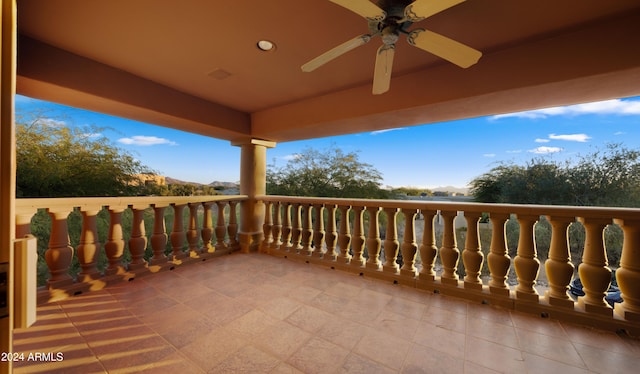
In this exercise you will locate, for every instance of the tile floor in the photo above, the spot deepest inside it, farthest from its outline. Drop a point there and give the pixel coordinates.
(257, 313)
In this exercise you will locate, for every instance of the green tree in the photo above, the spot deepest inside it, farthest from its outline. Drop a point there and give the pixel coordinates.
(54, 160)
(609, 177)
(540, 181)
(327, 173)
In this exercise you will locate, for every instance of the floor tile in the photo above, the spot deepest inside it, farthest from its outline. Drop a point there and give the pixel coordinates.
(494, 356)
(280, 307)
(541, 365)
(356, 364)
(441, 339)
(318, 356)
(247, 359)
(424, 360)
(446, 319)
(492, 331)
(605, 361)
(281, 339)
(309, 318)
(211, 349)
(384, 348)
(553, 348)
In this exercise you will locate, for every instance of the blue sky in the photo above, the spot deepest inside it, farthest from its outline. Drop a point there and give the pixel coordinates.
(443, 154)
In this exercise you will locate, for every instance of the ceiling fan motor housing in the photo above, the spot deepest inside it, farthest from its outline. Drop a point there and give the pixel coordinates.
(391, 25)
(394, 8)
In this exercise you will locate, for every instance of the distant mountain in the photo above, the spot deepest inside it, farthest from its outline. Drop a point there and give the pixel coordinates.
(170, 180)
(451, 189)
(224, 184)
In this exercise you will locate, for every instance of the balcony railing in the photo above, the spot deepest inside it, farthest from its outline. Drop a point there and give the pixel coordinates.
(194, 236)
(375, 238)
(319, 230)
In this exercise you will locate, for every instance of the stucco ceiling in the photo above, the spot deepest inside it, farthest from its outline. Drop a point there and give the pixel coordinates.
(194, 64)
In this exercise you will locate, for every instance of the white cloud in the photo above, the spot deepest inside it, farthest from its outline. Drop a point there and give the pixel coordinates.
(489, 155)
(143, 140)
(619, 133)
(545, 150)
(539, 140)
(571, 137)
(515, 151)
(615, 107)
(294, 156)
(51, 122)
(378, 132)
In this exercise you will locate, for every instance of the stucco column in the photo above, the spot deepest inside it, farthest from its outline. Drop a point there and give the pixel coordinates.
(7, 167)
(253, 179)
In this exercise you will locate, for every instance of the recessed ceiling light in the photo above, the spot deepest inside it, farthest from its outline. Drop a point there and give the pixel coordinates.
(266, 45)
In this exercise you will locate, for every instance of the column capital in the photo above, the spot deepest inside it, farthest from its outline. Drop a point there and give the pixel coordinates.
(264, 143)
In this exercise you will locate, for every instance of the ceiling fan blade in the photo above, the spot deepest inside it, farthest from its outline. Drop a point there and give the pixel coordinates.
(421, 9)
(382, 71)
(365, 8)
(444, 47)
(336, 52)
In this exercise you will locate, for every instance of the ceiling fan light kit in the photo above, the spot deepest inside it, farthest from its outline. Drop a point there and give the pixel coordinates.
(389, 19)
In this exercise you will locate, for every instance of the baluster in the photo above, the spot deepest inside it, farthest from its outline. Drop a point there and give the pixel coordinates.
(159, 237)
(232, 228)
(192, 232)
(276, 229)
(23, 221)
(221, 228)
(357, 242)
(373, 239)
(318, 229)
(286, 227)
(628, 274)
(344, 235)
(526, 261)
(297, 228)
(207, 228)
(60, 252)
(449, 253)
(307, 231)
(266, 228)
(428, 248)
(114, 247)
(177, 233)
(332, 235)
(498, 259)
(391, 243)
(594, 273)
(409, 246)
(559, 267)
(472, 256)
(89, 247)
(138, 239)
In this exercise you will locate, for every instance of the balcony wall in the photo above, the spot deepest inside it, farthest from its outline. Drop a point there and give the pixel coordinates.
(352, 234)
(208, 227)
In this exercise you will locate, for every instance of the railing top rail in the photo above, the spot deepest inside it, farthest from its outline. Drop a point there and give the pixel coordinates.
(27, 204)
(520, 209)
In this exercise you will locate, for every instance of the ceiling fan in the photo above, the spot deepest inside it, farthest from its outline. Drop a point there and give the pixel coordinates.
(389, 19)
